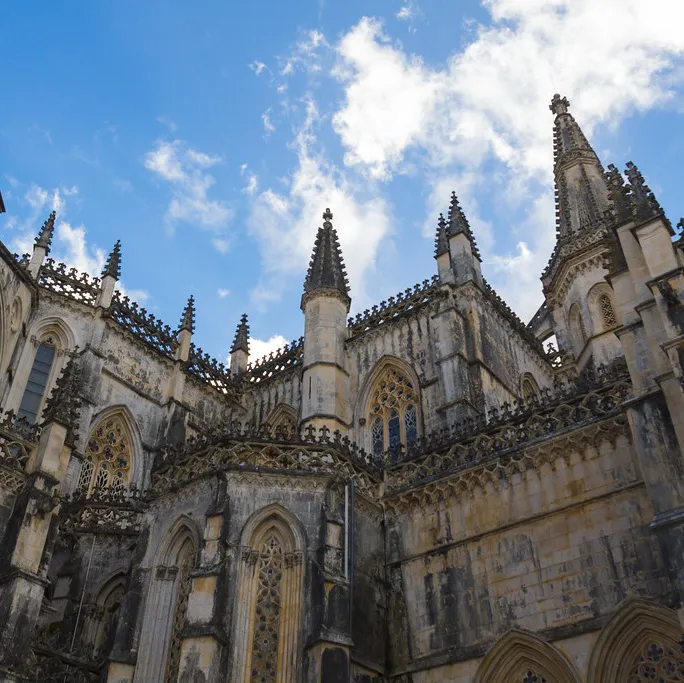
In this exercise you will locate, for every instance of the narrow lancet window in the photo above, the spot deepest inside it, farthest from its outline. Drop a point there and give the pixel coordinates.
(37, 381)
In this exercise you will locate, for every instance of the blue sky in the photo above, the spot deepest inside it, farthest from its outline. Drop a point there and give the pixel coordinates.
(210, 136)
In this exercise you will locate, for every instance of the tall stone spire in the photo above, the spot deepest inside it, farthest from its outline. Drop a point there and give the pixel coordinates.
(458, 223)
(326, 269)
(581, 191)
(112, 267)
(441, 240)
(187, 321)
(241, 341)
(46, 233)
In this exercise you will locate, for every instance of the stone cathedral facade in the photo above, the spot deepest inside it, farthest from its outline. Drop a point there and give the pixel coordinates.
(424, 492)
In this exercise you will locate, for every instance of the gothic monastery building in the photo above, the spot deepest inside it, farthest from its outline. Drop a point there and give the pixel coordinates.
(423, 493)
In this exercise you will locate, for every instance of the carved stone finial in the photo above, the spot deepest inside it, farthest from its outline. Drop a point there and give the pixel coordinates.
(618, 195)
(326, 268)
(46, 233)
(441, 241)
(645, 204)
(113, 265)
(458, 223)
(559, 105)
(241, 341)
(187, 321)
(680, 225)
(64, 403)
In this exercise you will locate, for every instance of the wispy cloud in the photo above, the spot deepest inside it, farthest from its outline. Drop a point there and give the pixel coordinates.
(186, 171)
(223, 293)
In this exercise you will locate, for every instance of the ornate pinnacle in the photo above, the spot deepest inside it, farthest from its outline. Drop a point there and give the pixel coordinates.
(441, 241)
(46, 233)
(618, 195)
(645, 204)
(241, 341)
(458, 223)
(680, 225)
(113, 265)
(64, 404)
(326, 268)
(559, 105)
(187, 321)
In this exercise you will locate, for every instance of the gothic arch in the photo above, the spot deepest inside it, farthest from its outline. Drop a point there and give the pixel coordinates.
(120, 419)
(528, 386)
(166, 603)
(520, 656)
(52, 333)
(103, 613)
(364, 426)
(269, 600)
(601, 304)
(283, 416)
(634, 629)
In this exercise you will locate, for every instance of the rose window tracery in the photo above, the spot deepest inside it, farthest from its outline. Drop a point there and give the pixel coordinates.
(393, 412)
(658, 663)
(267, 611)
(107, 460)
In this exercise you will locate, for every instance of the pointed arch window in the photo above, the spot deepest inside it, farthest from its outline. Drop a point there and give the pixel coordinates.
(185, 562)
(34, 393)
(393, 412)
(607, 313)
(108, 455)
(103, 617)
(270, 603)
(529, 388)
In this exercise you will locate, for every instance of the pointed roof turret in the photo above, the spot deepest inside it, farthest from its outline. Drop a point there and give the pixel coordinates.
(187, 321)
(112, 267)
(644, 202)
(46, 233)
(326, 268)
(458, 223)
(241, 341)
(441, 241)
(621, 206)
(569, 142)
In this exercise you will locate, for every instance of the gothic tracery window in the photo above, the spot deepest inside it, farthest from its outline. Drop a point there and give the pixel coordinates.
(660, 663)
(267, 612)
(393, 412)
(607, 312)
(185, 563)
(107, 461)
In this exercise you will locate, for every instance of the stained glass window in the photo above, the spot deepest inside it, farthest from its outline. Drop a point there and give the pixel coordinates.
(37, 381)
(267, 612)
(607, 313)
(107, 458)
(186, 560)
(394, 416)
(660, 663)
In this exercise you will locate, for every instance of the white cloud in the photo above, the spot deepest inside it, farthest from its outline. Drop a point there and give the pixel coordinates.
(268, 126)
(306, 56)
(169, 123)
(223, 293)
(290, 219)
(257, 67)
(258, 348)
(489, 102)
(185, 169)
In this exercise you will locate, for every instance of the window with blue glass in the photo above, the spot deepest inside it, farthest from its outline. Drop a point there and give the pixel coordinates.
(393, 413)
(37, 382)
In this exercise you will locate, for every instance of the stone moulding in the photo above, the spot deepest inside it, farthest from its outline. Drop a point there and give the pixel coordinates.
(320, 454)
(105, 511)
(18, 438)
